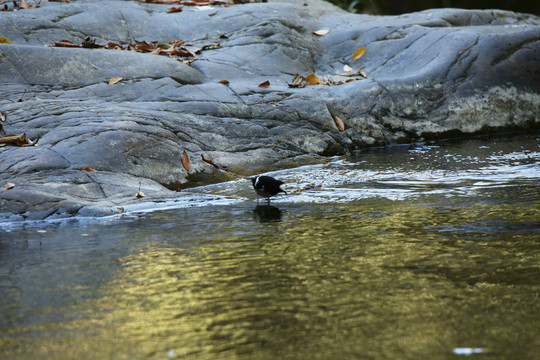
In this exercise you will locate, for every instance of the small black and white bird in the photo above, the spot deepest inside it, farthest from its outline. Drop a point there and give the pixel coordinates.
(266, 186)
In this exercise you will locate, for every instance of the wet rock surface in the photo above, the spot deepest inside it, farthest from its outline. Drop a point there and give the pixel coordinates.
(433, 74)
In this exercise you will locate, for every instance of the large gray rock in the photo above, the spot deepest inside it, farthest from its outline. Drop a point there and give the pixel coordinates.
(433, 74)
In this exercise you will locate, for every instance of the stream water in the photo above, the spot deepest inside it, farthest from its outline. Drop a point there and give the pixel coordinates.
(430, 251)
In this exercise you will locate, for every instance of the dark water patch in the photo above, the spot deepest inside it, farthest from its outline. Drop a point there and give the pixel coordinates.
(369, 258)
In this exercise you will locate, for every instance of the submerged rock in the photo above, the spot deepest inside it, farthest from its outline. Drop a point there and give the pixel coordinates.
(432, 74)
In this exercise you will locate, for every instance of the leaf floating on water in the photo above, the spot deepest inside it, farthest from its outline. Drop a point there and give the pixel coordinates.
(10, 185)
(321, 32)
(339, 123)
(224, 82)
(115, 79)
(265, 84)
(185, 161)
(312, 79)
(88, 169)
(359, 53)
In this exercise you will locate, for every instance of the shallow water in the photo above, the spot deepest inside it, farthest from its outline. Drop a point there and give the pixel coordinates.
(421, 252)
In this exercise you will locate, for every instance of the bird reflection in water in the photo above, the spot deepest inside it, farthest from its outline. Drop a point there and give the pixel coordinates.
(267, 213)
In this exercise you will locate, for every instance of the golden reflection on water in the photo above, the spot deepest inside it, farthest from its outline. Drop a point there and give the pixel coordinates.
(375, 279)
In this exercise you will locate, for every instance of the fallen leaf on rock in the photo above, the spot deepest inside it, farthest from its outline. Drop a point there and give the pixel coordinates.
(88, 169)
(213, 46)
(10, 185)
(175, 9)
(161, 1)
(90, 43)
(114, 46)
(11, 139)
(352, 72)
(321, 32)
(139, 194)
(339, 123)
(115, 79)
(265, 84)
(209, 161)
(185, 161)
(312, 79)
(65, 43)
(17, 140)
(24, 4)
(359, 53)
(362, 74)
(4, 40)
(224, 82)
(298, 81)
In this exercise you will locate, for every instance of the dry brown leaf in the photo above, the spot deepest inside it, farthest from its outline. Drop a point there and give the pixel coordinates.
(175, 9)
(354, 72)
(90, 43)
(65, 43)
(10, 185)
(161, 1)
(17, 140)
(210, 47)
(339, 123)
(224, 82)
(321, 32)
(312, 79)
(139, 193)
(113, 45)
(24, 4)
(115, 79)
(359, 53)
(88, 169)
(185, 161)
(265, 84)
(209, 161)
(297, 82)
